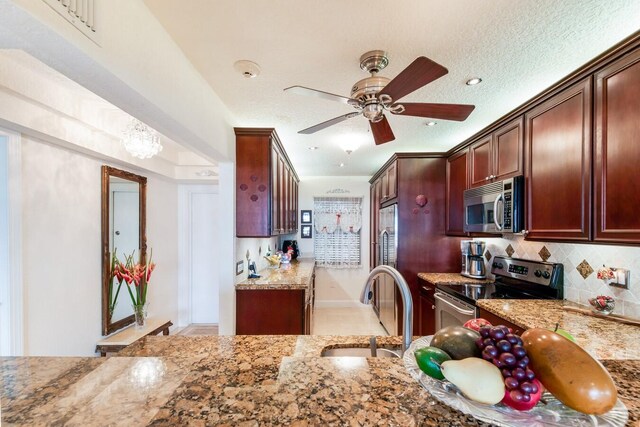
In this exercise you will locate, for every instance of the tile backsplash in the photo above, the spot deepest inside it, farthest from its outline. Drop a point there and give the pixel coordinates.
(580, 264)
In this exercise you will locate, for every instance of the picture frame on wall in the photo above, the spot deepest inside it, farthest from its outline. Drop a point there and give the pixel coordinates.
(305, 232)
(305, 217)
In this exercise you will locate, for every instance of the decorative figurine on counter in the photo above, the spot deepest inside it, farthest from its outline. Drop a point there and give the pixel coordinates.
(253, 273)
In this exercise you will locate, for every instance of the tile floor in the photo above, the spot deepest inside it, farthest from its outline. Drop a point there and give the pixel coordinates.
(346, 321)
(326, 321)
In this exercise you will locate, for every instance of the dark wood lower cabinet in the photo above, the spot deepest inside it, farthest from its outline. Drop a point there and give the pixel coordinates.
(273, 312)
(497, 320)
(426, 309)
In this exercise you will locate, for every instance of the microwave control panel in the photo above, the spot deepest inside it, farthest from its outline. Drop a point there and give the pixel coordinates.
(507, 211)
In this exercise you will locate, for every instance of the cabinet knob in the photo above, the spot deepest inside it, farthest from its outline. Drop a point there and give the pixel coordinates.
(486, 178)
(433, 307)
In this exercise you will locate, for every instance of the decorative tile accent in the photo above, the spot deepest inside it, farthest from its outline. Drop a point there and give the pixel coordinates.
(544, 253)
(584, 269)
(509, 250)
(488, 255)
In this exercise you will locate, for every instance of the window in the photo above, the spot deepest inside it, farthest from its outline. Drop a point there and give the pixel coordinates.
(338, 221)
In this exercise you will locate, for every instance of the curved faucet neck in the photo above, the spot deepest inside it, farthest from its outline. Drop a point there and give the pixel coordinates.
(405, 293)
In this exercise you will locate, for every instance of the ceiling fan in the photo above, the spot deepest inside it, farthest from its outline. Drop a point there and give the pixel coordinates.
(374, 95)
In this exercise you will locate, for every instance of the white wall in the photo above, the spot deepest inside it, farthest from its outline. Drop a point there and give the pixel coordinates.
(337, 287)
(62, 249)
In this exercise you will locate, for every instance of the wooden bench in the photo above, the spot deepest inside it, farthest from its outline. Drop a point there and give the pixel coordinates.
(116, 342)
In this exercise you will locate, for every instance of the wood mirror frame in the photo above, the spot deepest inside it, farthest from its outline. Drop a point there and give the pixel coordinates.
(107, 172)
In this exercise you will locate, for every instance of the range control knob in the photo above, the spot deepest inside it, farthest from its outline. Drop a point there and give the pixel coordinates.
(537, 273)
(497, 265)
(546, 274)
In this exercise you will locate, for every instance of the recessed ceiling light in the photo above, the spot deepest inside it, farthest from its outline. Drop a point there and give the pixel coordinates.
(313, 148)
(431, 123)
(473, 81)
(341, 165)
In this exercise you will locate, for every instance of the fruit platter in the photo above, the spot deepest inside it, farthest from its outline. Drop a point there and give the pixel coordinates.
(541, 378)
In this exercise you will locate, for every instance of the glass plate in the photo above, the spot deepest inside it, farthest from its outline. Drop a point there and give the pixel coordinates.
(550, 413)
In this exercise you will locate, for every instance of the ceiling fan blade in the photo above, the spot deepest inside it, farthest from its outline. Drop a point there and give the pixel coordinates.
(417, 74)
(301, 90)
(457, 112)
(323, 125)
(381, 131)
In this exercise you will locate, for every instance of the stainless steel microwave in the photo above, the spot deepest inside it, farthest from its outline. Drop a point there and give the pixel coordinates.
(495, 208)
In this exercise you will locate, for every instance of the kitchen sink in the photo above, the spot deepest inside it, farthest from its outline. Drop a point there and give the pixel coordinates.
(371, 351)
(358, 352)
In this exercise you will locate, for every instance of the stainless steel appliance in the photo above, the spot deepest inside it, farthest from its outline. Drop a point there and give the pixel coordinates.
(388, 239)
(514, 279)
(473, 259)
(495, 208)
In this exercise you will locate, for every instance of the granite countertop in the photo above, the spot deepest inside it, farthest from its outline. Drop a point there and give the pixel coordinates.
(451, 279)
(295, 275)
(604, 338)
(236, 380)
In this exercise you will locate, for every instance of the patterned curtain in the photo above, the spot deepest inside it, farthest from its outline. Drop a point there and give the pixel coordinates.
(338, 221)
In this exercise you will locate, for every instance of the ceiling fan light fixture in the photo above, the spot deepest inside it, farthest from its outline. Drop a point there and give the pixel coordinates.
(474, 81)
(373, 112)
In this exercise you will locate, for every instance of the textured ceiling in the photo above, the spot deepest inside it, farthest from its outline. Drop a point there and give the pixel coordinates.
(518, 48)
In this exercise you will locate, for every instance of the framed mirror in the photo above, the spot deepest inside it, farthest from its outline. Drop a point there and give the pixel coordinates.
(124, 219)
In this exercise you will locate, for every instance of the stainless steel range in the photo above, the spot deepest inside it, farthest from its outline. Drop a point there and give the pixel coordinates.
(514, 279)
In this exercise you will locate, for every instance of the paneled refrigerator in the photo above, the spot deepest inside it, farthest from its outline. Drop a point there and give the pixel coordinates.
(388, 240)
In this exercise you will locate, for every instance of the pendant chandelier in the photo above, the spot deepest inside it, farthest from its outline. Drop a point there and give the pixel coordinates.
(140, 140)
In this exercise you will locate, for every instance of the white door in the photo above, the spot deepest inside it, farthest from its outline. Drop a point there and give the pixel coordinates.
(204, 258)
(5, 309)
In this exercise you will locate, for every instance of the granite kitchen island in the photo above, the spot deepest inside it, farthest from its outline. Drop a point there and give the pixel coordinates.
(235, 380)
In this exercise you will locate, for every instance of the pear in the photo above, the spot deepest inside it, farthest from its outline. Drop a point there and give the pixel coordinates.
(478, 379)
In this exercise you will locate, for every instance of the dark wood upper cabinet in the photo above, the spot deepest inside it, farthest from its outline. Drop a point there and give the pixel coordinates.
(265, 182)
(498, 155)
(481, 161)
(392, 181)
(507, 150)
(617, 152)
(558, 166)
(457, 182)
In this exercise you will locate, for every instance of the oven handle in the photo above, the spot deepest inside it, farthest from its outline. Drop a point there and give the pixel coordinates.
(495, 212)
(456, 308)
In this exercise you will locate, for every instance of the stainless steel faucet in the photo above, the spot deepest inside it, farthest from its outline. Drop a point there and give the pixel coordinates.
(407, 302)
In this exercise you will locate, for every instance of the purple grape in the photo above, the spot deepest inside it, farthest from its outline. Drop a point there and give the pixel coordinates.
(519, 374)
(518, 351)
(497, 333)
(486, 356)
(511, 383)
(484, 331)
(526, 397)
(506, 373)
(480, 343)
(498, 363)
(505, 329)
(534, 388)
(508, 359)
(503, 346)
(530, 375)
(487, 342)
(516, 395)
(491, 350)
(526, 388)
(523, 363)
(513, 340)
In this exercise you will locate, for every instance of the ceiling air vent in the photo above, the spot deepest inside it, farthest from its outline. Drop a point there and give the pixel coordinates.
(80, 13)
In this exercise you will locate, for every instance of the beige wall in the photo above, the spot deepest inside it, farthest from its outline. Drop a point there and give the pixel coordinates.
(337, 287)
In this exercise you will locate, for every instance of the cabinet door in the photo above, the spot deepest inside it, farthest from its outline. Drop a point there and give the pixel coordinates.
(457, 182)
(617, 152)
(481, 162)
(507, 150)
(558, 166)
(281, 195)
(392, 180)
(384, 187)
(275, 191)
(427, 316)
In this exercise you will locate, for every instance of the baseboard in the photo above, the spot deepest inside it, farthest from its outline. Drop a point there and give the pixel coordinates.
(339, 304)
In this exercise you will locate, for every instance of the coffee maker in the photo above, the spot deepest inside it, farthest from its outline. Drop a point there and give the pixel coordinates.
(472, 259)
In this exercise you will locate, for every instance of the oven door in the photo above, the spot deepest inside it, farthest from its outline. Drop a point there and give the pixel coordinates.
(451, 311)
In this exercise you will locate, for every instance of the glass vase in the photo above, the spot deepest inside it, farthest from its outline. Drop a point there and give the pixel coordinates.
(140, 313)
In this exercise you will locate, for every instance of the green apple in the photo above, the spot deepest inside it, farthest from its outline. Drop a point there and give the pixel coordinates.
(429, 360)
(564, 333)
